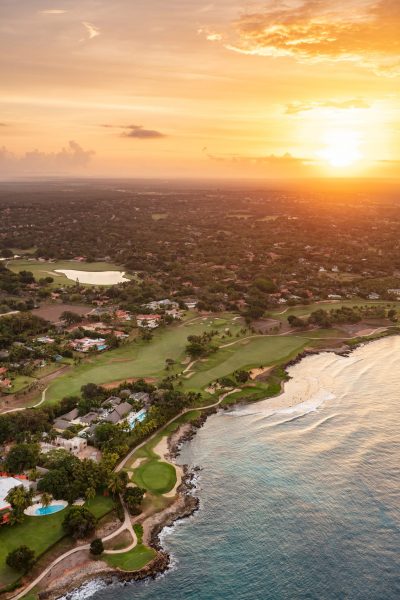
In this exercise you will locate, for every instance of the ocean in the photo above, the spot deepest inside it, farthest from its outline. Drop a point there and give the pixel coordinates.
(297, 501)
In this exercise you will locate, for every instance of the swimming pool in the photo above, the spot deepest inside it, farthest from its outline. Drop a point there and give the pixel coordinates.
(48, 510)
(136, 418)
(38, 510)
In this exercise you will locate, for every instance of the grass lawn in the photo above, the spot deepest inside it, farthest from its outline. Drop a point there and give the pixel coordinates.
(131, 561)
(245, 354)
(40, 533)
(46, 269)
(20, 382)
(135, 359)
(156, 476)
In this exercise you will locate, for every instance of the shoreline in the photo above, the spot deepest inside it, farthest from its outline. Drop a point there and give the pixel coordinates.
(184, 505)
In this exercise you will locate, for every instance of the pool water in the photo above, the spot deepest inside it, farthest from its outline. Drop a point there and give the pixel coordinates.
(49, 510)
(137, 418)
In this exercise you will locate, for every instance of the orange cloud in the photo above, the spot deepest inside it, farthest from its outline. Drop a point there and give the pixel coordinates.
(365, 32)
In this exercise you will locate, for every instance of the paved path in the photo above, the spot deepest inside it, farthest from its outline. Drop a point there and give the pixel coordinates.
(25, 407)
(126, 525)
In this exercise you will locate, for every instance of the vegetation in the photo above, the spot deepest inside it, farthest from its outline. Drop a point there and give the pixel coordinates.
(79, 522)
(133, 560)
(133, 498)
(97, 547)
(21, 559)
(19, 499)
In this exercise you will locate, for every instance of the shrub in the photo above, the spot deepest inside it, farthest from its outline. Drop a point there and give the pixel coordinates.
(21, 559)
(97, 547)
(79, 522)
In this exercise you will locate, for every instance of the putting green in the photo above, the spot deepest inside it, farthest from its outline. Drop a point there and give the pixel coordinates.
(155, 476)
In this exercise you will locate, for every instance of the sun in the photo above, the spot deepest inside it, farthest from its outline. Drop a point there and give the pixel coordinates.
(342, 148)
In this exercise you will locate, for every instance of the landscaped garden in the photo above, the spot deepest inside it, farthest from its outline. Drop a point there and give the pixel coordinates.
(40, 534)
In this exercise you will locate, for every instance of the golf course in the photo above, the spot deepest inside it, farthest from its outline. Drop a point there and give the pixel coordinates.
(238, 348)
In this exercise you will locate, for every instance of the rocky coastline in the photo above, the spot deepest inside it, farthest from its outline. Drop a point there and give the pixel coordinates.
(185, 505)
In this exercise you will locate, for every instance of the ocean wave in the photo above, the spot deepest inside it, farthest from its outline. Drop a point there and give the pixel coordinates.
(86, 590)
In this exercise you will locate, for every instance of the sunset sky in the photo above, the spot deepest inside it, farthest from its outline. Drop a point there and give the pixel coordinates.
(179, 88)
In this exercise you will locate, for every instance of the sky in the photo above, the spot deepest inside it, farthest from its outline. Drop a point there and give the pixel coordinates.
(192, 88)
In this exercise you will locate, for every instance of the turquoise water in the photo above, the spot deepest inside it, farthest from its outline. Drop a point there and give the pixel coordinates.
(136, 418)
(299, 502)
(49, 510)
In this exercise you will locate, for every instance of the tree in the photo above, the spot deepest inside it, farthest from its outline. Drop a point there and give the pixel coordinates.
(97, 547)
(19, 499)
(117, 483)
(90, 493)
(70, 317)
(133, 497)
(79, 522)
(242, 376)
(46, 499)
(295, 321)
(22, 457)
(21, 559)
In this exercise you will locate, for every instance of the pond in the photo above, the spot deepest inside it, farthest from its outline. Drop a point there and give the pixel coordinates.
(94, 277)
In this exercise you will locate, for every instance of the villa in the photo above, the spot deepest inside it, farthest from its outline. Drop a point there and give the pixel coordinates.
(148, 321)
(86, 344)
(191, 303)
(6, 484)
(159, 304)
(75, 445)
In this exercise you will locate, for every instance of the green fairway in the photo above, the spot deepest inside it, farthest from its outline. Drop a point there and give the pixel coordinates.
(135, 359)
(40, 533)
(245, 354)
(131, 561)
(47, 269)
(155, 476)
(305, 310)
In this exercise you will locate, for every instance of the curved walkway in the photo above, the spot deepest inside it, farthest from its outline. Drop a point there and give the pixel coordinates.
(43, 399)
(126, 525)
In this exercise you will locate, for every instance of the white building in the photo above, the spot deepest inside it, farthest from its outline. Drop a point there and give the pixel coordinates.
(75, 445)
(148, 321)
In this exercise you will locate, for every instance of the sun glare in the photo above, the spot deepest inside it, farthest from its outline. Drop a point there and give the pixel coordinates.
(342, 148)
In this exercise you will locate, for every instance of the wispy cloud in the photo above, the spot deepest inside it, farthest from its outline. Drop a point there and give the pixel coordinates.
(53, 11)
(362, 32)
(294, 108)
(91, 29)
(137, 131)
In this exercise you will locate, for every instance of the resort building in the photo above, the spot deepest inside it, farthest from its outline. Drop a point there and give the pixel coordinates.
(86, 344)
(6, 484)
(75, 445)
(190, 303)
(148, 321)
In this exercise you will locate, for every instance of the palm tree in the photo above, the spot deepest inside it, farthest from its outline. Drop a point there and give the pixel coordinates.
(90, 493)
(116, 484)
(47, 499)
